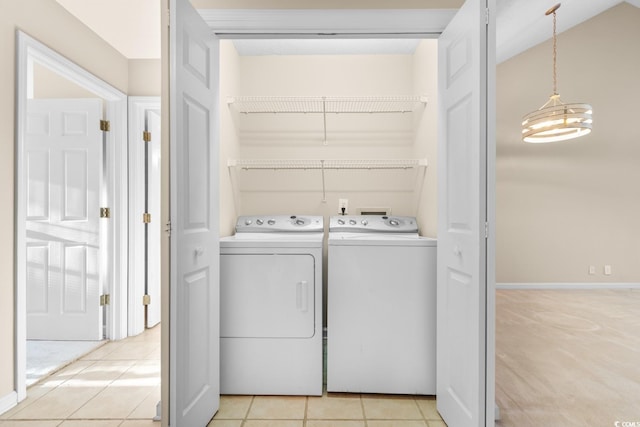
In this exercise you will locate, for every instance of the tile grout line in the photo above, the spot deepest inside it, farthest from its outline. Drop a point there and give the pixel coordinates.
(306, 408)
(424, 417)
(364, 414)
(246, 415)
(95, 395)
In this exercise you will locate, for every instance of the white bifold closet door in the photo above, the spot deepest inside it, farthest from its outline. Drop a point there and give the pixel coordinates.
(194, 393)
(465, 109)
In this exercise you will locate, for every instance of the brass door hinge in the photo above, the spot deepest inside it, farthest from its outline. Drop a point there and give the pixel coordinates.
(146, 299)
(105, 213)
(105, 299)
(146, 218)
(105, 126)
(146, 136)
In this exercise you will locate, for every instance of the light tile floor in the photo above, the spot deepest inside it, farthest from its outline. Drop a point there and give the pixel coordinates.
(45, 357)
(118, 385)
(333, 410)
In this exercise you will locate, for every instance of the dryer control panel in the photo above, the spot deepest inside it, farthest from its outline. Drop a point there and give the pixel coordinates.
(373, 224)
(280, 224)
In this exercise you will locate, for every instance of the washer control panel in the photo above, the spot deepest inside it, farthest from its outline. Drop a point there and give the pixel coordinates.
(373, 224)
(280, 224)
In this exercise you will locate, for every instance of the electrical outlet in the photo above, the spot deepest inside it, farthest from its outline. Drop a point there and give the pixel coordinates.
(592, 269)
(343, 206)
(607, 270)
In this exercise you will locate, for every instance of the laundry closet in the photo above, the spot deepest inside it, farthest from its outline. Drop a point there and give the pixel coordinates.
(305, 137)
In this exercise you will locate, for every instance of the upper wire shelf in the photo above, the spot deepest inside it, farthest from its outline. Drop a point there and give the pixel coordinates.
(301, 104)
(304, 164)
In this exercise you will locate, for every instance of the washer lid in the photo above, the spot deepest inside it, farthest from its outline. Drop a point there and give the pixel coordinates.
(379, 239)
(373, 224)
(280, 224)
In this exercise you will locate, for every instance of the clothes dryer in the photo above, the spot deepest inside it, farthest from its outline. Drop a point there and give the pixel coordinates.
(271, 306)
(381, 312)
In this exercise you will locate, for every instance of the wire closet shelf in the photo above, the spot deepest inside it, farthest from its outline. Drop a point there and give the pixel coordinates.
(338, 164)
(326, 105)
(323, 165)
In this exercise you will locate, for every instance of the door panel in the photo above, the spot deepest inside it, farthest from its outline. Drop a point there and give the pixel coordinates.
(462, 214)
(194, 393)
(75, 187)
(63, 154)
(38, 185)
(38, 277)
(267, 296)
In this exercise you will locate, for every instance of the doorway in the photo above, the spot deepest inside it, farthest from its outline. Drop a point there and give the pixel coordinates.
(100, 250)
(196, 67)
(63, 152)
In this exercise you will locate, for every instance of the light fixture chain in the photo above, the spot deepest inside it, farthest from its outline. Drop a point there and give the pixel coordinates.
(555, 54)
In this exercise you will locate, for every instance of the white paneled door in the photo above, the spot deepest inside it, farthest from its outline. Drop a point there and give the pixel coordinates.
(63, 157)
(194, 334)
(464, 67)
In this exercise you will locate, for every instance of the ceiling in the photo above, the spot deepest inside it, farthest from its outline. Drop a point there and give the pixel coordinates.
(522, 24)
(132, 27)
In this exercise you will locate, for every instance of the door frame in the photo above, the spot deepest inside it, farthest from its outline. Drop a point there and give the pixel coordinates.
(138, 105)
(28, 51)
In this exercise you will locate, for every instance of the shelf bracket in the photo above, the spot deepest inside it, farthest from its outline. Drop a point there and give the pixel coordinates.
(324, 192)
(324, 116)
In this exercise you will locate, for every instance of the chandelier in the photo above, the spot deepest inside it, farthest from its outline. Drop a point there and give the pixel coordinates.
(555, 120)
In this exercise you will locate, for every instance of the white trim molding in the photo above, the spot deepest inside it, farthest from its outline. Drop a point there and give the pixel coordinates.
(138, 106)
(8, 401)
(327, 22)
(568, 285)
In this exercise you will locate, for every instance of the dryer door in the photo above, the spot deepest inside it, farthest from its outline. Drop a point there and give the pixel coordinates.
(267, 295)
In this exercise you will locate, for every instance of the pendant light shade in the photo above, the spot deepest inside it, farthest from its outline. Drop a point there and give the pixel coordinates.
(555, 120)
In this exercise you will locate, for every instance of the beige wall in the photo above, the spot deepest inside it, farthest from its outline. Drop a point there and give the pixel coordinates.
(144, 77)
(565, 206)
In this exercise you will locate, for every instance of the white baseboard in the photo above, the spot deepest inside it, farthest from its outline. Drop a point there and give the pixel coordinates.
(565, 286)
(9, 401)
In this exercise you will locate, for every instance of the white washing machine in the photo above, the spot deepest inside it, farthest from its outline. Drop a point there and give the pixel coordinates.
(381, 312)
(271, 306)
